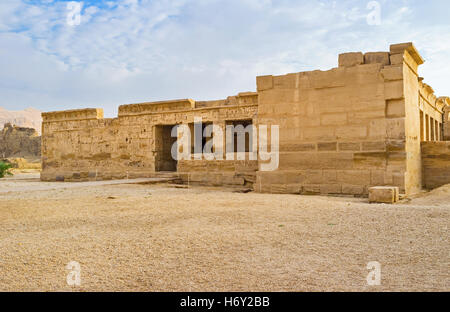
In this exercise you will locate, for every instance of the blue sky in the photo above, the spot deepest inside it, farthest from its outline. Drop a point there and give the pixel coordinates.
(130, 51)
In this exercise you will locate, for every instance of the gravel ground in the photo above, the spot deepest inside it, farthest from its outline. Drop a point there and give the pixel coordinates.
(162, 238)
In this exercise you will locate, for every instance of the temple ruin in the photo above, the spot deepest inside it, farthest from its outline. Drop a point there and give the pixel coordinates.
(372, 121)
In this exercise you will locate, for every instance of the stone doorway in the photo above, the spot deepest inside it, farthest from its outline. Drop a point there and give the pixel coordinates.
(163, 143)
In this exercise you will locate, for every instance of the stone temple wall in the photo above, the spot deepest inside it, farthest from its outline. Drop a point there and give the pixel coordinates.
(81, 145)
(341, 131)
(436, 164)
(446, 118)
(346, 129)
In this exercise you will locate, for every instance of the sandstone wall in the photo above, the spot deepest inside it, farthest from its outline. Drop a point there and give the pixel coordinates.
(341, 131)
(411, 157)
(344, 130)
(447, 123)
(436, 164)
(81, 145)
(19, 142)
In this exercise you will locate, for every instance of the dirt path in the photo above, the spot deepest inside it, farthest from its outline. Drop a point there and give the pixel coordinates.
(31, 183)
(157, 238)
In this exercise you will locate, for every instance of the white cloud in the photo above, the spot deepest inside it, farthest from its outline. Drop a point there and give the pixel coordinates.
(129, 51)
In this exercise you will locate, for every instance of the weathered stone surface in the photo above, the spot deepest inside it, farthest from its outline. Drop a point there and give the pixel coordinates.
(377, 58)
(435, 164)
(264, 82)
(351, 59)
(341, 131)
(400, 48)
(446, 120)
(19, 142)
(383, 194)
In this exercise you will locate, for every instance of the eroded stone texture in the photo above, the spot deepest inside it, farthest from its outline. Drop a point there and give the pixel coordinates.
(436, 164)
(446, 118)
(383, 194)
(342, 131)
(19, 142)
(80, 145)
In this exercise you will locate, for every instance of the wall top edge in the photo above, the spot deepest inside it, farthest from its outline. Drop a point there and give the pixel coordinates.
(73, 114)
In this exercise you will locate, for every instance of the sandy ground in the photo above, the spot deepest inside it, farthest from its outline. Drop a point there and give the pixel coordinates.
(161, 238)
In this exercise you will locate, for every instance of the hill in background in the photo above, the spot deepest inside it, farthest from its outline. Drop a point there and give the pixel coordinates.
(29, 118)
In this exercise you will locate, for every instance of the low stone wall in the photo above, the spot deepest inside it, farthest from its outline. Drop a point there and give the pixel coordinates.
(435, 164)
(218, 172)
(81, 145)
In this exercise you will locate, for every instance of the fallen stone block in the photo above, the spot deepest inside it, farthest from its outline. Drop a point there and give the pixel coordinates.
(383, 194)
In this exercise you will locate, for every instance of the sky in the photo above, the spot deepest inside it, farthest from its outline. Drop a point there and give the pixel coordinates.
(131, 51)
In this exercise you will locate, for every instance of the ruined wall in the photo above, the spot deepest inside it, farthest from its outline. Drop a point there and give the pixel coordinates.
(446, 120)
(407, 56)
(436, 164)
(81, 145)
(343, 130)
(19, 142)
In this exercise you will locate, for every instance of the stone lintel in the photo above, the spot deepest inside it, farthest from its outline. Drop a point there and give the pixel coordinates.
(152, 107)
(400, 48)
(74, 114)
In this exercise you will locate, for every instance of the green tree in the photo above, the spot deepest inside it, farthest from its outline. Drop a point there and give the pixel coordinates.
(4, 169)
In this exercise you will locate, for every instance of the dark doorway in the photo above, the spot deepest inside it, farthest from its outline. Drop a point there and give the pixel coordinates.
(243, 124)
(163, 143)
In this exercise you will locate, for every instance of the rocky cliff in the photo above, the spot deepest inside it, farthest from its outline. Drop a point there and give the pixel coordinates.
(30, 118)
(19, 142)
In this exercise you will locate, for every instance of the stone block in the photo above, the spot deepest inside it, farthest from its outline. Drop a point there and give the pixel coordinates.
(330, 189)
(346, 132)
(395, 128)
(264, 82)
(351, 59)
(355, 177)
(288, 81)
(310, 189)
(377, 177)
(319, 133)
(394, 90)
(377, 128)
(328, 79)
(348, 146)
(384, 194)
(400, 48)
(333, 119)
(362, 116)
(395, 108)
(351, 189)
(369, 160)
(330, 176)
(374, 146)
(396, 59)
(377, 58)
(391, 73)
(59, 178)
(307, 147)
(331, 146)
